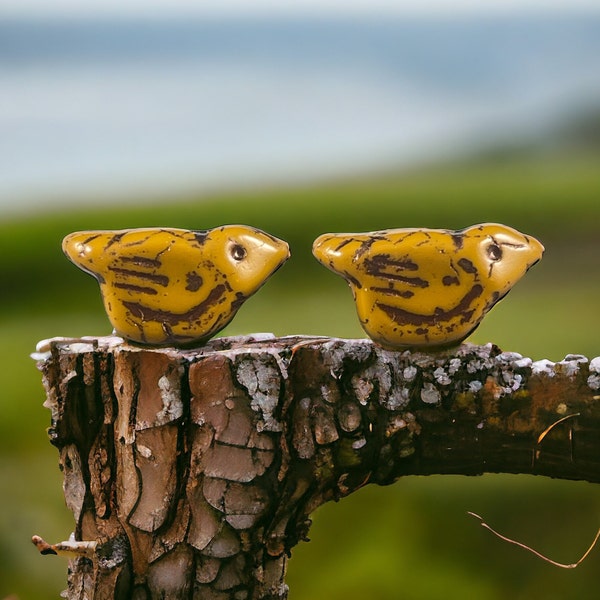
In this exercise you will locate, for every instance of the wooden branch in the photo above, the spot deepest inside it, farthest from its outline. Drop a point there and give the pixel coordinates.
(194, 472)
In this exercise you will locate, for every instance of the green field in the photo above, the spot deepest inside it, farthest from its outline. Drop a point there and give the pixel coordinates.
(410, 540)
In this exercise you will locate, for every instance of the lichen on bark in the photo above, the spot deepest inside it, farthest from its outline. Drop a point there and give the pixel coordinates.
(196, 471)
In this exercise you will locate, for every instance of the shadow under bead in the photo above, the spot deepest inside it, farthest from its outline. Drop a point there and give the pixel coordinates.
(417, 288)
(176, 287)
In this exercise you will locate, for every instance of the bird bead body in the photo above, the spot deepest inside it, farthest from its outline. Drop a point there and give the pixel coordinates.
(427, 287)
(173, 286)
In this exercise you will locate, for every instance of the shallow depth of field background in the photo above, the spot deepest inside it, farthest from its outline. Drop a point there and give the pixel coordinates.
(300, 126)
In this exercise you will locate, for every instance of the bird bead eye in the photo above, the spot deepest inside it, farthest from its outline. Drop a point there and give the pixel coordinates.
(494, 252)
(238, 252)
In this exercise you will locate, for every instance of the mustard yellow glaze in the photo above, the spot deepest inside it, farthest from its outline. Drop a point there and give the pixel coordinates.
(174, 286)
(427, 287)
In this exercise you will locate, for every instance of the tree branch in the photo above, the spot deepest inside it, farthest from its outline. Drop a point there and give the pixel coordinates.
(196, 471)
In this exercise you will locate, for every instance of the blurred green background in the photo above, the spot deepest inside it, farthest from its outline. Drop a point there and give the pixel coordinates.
(414, 536)
(413, 539)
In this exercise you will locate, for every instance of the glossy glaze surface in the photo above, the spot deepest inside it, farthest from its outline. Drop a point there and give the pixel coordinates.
(173, 286)
(427, 287)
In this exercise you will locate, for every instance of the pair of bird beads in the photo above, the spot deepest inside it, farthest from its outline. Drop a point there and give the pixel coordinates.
(413, 288)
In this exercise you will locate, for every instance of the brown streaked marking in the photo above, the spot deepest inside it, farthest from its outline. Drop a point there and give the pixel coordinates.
(142, 261)
(136, 288)
(350, 278)
(200, 237)
(115, 239)
(450, 280)
(376, 266)
(413, 281)
(467, 266)
(393, 292)
(467, 316)
(139, 242)
(344, 243)
(458, 240)
(158, 279)
(379, 262)
(426, 240)
(164, 316)
(90, 239)
(402, 238)
(168, 330)
(239, 300)
(193, 281)
(405, 317)
(366, 246)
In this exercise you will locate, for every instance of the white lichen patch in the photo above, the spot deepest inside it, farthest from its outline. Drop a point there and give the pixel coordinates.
(383, 377)
(170, 393)
(593, 380)
(337, 352)
(144, 451)
(580, 358)
(454, 365)
(359, 443)
(441, 376)
(430, 394)
(330, 394)
(395, 424)
(79, 345)
(262, 379)
(423, 360)
(523, 363)
(509, 357)
(478, 358)
(512, 380)
(398, 399)
(571, 363)
(362, 386)
(475, 386)
(409, 373)
(543, 367)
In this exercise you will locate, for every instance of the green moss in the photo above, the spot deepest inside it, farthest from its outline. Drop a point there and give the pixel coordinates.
(464, 401)
(346, 456)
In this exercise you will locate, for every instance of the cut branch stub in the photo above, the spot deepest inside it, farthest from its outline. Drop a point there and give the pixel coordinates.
(196, 471)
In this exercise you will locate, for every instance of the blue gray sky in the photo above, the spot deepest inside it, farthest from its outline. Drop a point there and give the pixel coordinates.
(253, 7)
(118, 107)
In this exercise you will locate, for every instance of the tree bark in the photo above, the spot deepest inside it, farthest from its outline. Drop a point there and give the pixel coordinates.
(195, 471)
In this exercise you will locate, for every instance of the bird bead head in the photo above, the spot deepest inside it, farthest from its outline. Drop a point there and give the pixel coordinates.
(427, 287)
(173, 286)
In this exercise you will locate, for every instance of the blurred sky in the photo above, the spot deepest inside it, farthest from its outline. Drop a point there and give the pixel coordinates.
(124, 106)
(270, 7)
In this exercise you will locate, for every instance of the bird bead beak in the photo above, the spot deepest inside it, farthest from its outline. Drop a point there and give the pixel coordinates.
(79, 249)
(333, 251)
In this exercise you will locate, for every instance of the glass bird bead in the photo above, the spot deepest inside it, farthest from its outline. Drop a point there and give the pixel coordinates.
(425, 288)
(173, 286)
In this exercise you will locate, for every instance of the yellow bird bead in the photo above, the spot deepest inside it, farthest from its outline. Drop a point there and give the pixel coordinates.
(427, 287)
(173, 286)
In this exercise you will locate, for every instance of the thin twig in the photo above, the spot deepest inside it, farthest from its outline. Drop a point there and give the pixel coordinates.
(550, 427)
(525, 547)
(69, 548)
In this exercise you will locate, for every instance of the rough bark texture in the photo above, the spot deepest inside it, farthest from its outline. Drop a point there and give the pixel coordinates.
(196, 470)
